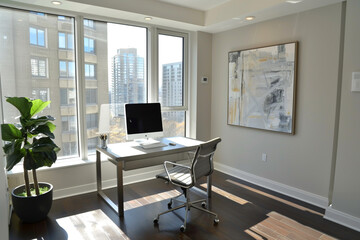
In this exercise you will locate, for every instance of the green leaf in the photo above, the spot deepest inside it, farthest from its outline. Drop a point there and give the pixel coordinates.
(33, 122)
(51, 126)
(9, 132)
(44, 129)
(14, 153)
(37, 106)
(43, 153)
(23, 104)
(44, 144)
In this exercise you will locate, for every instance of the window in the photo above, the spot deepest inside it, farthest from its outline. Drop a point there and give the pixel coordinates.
(38, 13)
(171, 48)
(38, 67)
(92, 120)
(88, 23)
(67, 96)
(37, 36)
(67, 69)
(91, 96)
(66, 40)
(65, 19)
(121, 73)
(41, 93)
(68, 124)
(115, 55)
(89, 45)
(39, 75)
(89, 71)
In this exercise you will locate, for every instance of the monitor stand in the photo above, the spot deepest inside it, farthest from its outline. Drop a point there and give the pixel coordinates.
(147, 143)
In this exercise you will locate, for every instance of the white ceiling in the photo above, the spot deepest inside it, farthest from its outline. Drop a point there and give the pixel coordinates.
(202, 5)
(211, 16)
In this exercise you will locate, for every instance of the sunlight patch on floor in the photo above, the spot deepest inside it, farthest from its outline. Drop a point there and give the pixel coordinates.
(92, 225)
(278, 226)
(139, 202)
(226, 194)
(275, 198)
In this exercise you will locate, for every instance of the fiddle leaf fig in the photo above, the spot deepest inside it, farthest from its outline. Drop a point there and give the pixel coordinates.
(31, 139)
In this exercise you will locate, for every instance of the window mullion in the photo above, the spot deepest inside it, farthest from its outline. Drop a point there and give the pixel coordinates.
(81, 94)
(153, 83)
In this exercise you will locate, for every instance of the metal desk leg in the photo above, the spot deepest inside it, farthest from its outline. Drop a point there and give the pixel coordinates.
(209, 183)
(120, 188)
(98, 172)
(120, 208)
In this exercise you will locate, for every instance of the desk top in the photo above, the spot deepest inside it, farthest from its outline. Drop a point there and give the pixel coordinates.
(129, 151)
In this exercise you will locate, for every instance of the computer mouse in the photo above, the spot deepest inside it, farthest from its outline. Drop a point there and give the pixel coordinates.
(172, 144)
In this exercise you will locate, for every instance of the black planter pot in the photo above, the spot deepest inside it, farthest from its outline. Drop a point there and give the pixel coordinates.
(34, 208)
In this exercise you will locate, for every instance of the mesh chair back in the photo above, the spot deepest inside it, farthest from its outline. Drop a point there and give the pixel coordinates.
(202, 164)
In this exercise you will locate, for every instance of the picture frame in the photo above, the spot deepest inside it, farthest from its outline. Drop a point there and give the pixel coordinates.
(262, 87)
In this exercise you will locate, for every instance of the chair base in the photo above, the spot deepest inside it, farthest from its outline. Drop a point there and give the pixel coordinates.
(187, 205)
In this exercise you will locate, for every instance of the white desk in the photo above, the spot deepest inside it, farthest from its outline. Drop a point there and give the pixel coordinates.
(129, 155)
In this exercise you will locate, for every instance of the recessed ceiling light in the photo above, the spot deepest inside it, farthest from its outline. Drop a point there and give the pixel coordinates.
(249, 18)
(56, 2)
(148, 18)
(294, 1)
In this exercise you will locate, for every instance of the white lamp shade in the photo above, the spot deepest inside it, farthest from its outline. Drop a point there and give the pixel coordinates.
(104, 119)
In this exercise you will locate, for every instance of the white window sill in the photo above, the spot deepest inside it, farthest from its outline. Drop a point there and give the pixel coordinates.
(60, 163)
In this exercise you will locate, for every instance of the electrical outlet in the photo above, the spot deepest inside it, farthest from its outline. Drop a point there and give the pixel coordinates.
(264, 157)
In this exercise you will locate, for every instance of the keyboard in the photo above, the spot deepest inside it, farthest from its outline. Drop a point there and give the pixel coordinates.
(152, 145)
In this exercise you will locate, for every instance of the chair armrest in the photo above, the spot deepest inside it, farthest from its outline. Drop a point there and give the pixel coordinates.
(176, 164)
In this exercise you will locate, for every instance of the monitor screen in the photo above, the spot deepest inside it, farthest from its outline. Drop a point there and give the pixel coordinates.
(143, 120)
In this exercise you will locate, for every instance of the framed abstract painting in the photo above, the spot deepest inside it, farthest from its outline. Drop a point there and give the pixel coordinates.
(262, 87)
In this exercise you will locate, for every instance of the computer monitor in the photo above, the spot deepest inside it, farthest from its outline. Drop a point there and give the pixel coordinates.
(143, 121)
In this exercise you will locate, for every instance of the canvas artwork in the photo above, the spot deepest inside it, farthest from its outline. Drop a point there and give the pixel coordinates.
(261, 91)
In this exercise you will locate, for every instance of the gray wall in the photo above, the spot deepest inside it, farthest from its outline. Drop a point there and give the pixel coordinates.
(203, 95)
(346, 194)
(301, 162)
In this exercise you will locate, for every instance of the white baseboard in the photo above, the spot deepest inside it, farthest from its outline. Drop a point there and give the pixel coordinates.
(91, 187)
(342, 218)
(274, 186)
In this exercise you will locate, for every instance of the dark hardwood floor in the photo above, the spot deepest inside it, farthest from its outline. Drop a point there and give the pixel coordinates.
(245, 212)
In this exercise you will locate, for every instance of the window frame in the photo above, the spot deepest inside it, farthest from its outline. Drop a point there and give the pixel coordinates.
(185, 60)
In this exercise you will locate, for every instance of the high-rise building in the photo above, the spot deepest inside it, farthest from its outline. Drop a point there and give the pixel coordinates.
(172, 90)
(172, 84)
(127, 79)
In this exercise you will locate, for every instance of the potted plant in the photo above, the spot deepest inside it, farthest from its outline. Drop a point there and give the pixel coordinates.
(32, 141)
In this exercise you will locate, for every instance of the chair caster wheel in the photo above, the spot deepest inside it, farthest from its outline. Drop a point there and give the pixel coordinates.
(216, 221)
(169, 205)
(156, 220)
(203, 204)
(182, 228)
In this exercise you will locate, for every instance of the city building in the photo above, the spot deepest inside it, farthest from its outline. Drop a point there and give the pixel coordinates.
(128, 81)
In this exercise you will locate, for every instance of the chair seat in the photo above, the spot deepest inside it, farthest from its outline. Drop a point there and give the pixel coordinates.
(179, 175)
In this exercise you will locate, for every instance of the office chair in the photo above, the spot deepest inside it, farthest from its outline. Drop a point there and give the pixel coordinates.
(185, 177)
